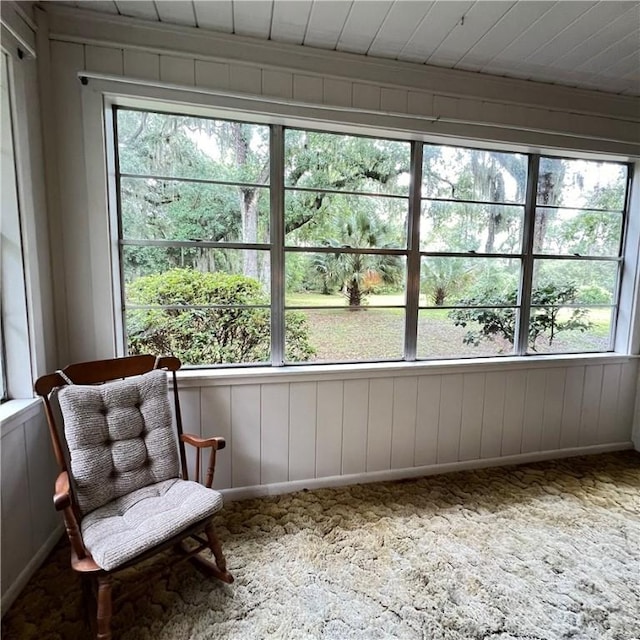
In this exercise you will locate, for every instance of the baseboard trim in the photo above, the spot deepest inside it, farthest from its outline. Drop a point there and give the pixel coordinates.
(25, 575)
(279, 488)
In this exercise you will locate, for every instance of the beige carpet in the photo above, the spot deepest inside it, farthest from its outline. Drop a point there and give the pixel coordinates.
(543, 551)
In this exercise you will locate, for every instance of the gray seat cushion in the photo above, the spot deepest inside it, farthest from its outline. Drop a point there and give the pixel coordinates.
(132, 524)
(120, 437)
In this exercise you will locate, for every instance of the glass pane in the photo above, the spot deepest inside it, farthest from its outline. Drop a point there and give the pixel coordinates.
(473, 174)
(201, 337)
(169, 210)
(581, 184)
(335, 335)
(344, 279)
(177, 275)
(329, 219)
(577, 232)
(465, 332)
(569, 330)
(346, 163)
(457, 227)
(160, 144)
(469, 281)
(562, 282)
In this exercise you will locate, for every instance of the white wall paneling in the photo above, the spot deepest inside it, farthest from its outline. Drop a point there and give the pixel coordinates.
(274, 433)
(283, 434)
(572, 407)
(177, 70)
(141, 64)
(492, 415)
(626, 401)
(513, 418)
(472, 407)
(607, 411)
(329, 428)
(403, 430)
(380, 424)
(428, 417)
(533, 411)
(591, 394)
(302, 430)
(16, 512)
(106, 60)
(355, 418)
(450, 419)
(245, 435)
(553, 405)
(30, 524)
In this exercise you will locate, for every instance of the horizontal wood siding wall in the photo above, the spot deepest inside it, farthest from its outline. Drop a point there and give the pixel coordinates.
(510, 112)
(280, 432)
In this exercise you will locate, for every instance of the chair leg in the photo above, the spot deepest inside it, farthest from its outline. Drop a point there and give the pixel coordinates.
(104, 607)
(89, 603)
(216, 548)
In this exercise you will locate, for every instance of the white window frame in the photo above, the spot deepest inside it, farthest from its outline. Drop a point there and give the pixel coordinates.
(15, 318)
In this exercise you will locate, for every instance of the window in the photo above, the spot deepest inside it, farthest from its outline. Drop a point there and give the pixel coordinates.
(15, 353)
(345, 241)
(247, 243)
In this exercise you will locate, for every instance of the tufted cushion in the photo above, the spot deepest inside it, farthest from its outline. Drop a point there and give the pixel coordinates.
(128, 526)
(120, 437)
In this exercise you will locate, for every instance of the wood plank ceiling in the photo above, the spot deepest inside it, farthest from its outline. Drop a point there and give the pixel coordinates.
(595, 45)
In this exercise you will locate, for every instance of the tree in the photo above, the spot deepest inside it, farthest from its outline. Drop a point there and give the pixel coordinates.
(229, 333)
(499, 323)
(488, 180)
(351, 272)
(442, 278)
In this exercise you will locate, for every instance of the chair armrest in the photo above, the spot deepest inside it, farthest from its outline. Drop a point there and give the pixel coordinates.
(215, 444)
(62, 495)
(201, 443)
(62, 502)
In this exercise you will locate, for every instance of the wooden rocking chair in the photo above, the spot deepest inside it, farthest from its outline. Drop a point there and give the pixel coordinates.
(123, 486)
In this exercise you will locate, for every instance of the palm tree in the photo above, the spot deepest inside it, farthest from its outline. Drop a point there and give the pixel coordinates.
(352, 272)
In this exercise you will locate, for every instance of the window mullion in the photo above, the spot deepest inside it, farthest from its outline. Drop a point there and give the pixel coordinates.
(413, 258)
(526, 274)
(276, 182)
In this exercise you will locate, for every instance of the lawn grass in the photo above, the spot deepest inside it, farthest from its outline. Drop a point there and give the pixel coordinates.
(341, 334)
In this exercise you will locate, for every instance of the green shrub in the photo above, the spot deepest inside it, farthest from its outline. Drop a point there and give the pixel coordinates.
(198, 336)
(546, 321)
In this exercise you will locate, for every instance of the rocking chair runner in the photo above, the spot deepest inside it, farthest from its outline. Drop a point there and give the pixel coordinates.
(123, 487)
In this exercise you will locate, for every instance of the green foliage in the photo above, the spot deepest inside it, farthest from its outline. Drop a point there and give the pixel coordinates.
(547, 319)
(207, 336)
(594, 294)
(356, 274)
(445, 279)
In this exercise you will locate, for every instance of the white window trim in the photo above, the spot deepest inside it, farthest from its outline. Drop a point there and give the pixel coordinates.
(15, 317)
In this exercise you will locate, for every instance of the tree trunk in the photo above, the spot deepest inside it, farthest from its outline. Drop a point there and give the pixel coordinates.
(354, 294)
(248, 203)
(547, 194)
(249, 212)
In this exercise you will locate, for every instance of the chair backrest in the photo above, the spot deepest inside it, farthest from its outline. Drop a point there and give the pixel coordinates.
(117, 424)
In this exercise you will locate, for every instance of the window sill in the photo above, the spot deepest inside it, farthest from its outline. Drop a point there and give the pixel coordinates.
(297, 373)
(14, 413)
